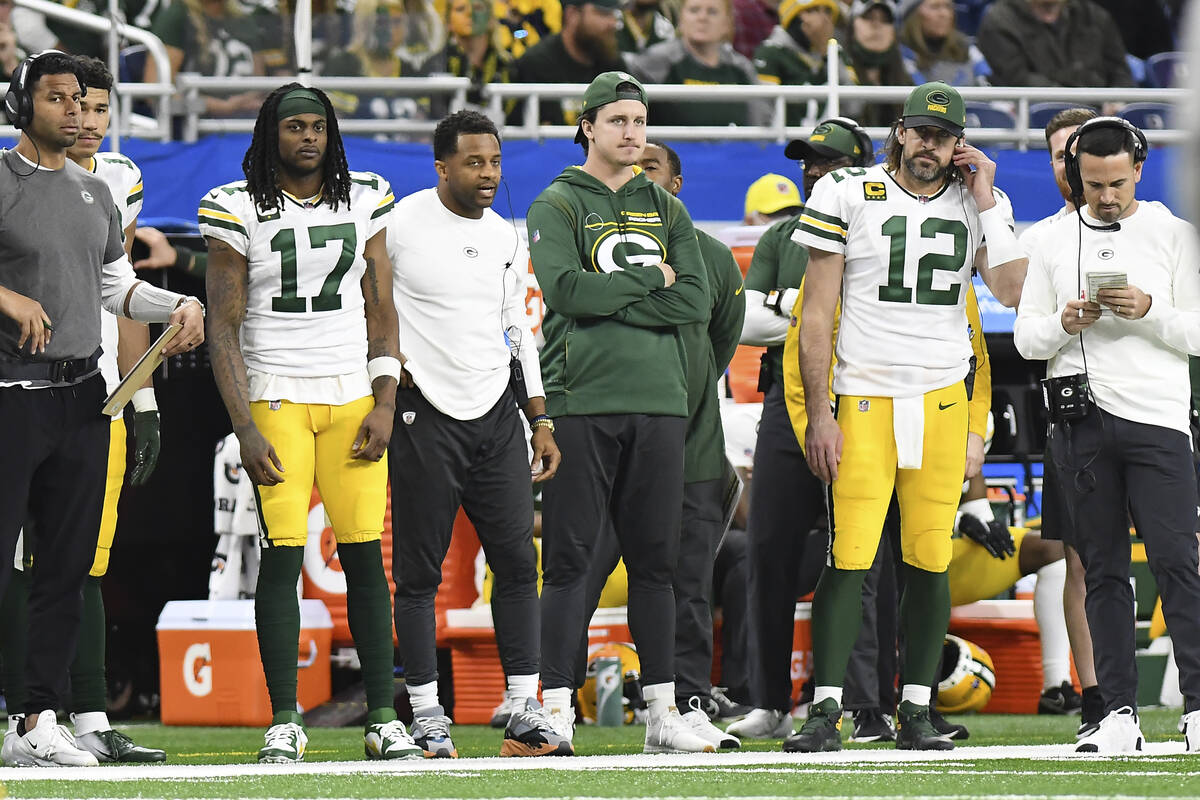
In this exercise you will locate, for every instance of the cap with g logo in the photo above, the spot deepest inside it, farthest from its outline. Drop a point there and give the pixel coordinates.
(604, 90)
(827, 142)
(938, 104)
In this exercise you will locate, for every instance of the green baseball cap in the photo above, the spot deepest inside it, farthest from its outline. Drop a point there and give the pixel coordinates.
(603, 90)
(828, 141)
(938, 104)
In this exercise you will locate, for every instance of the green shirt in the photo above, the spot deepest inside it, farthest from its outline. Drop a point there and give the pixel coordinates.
(778, 263)
(230, 42)
(613, 332)
(690, 71)
(709, 347)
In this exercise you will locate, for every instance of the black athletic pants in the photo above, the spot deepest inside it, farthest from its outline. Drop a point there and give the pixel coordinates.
(786, 500)
(53, 461)
(627, 469)
(1111, 468)
(437, 463)
(700, 531)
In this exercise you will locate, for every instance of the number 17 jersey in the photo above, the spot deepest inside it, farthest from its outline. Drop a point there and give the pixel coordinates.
(903, 328)
(304, 302)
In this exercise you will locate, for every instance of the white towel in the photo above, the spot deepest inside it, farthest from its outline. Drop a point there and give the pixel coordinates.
(908, 425)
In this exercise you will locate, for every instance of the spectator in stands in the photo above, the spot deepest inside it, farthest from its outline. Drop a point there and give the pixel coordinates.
(701, 55)
(875, 56)
(1053, 43)
(644, 23)
(73, 39)
(11, 54)
(753, 21)
(214, 38)
(586, 47)
(472, 50)
(935, 50)
(524, 23)
(1145, 27)
(771, 198)
(794, 53)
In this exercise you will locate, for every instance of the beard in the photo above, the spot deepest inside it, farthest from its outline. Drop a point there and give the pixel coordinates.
(600, 49)
(925, 173)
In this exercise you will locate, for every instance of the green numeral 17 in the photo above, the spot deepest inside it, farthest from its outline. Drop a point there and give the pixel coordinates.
(284, 243)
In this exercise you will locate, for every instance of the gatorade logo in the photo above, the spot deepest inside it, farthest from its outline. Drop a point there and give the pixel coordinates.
(197, 669)
(615, 251)
(937, 100)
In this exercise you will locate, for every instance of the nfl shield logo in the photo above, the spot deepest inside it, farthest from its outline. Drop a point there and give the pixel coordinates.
(409, 417)
(864, 405)
(275, 405)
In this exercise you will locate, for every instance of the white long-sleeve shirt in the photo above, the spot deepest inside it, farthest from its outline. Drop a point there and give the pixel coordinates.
(1137, 369)
(459, 285)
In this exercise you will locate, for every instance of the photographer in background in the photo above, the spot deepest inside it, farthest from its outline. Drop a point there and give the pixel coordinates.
(1121, 450)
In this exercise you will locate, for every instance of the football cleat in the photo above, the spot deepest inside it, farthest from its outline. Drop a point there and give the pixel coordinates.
(944, 727)
(432, 734)
(47, 744)
(1060, 700)
(871, 725)
(389, 740)
(115, 747)
(669, 733)
(285, 741)
(821, 732)
(762, 723)
(1118, 732)
(916, 730)
(529, 732)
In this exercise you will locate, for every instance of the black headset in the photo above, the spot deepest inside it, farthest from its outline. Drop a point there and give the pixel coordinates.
(18, 103)
(866, 157)
(1071, 158)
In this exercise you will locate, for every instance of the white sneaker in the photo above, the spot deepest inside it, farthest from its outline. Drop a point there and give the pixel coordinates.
(1191, 731)
(670, 734)
(1118, 733)
(48, 744)
(697, 719)
(562, 721)
(763, 723)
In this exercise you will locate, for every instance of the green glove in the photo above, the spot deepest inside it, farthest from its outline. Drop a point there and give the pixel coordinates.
(146, 445)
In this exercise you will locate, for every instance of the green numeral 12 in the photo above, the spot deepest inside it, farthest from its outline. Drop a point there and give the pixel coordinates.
(894, 291)
(329, 299)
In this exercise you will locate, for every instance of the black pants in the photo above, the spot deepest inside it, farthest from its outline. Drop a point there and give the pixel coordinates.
(700, 531)
(730, 595)
(1111, 467)
(437, 463)
(53, 460)
(627, 469)
(786, 500)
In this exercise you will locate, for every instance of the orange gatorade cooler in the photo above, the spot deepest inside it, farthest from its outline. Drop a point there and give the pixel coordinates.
(210, 671)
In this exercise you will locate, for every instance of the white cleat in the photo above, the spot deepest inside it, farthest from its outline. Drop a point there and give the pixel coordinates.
(47, 744)
(763, 723)
(1117, 733)
(671, 734)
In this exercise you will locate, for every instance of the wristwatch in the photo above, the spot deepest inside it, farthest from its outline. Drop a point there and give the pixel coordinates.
(541, 421)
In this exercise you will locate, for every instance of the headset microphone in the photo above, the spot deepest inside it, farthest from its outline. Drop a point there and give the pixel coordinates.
(1110, 228)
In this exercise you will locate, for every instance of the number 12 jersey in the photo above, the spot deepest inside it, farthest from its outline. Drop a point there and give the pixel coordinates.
(903, 328)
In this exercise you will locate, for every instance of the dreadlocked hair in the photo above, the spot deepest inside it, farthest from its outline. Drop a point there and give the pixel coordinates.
(261, 163)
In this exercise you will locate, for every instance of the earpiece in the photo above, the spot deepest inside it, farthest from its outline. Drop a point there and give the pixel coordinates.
(1071, 159)
(867, 158)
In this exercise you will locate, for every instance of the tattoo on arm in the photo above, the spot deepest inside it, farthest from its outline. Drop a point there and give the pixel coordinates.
(226, 283)
(372, 279)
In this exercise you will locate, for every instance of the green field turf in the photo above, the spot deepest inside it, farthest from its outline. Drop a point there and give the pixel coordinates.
(218, 763)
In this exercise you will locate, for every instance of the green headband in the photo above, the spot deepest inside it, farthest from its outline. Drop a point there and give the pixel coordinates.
(300, 101)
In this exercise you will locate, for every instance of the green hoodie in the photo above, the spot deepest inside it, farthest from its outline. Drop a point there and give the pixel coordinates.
(613, 344)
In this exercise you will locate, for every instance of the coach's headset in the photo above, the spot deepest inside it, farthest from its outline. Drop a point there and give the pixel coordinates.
(18, 102)
(1071, 158)
(866, 147)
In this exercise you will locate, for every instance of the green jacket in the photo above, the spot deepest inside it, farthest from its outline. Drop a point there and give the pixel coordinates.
(710, 347)
(613, 339)
(778, 263)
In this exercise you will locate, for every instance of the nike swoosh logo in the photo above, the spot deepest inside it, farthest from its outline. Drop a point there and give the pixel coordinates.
(944, 406)
(739, 290)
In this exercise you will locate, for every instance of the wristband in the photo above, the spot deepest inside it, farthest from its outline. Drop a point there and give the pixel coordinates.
(144, 400)
(979, 508)
(541, 421)
(152, 304)
(381, 366)
(1001, 242)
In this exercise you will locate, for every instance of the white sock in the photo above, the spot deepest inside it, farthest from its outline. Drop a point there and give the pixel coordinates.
(424, 698)
(1052, 624)
(559, 699)
(915, 693)
(522, 687)
(90, 722)
(823, 693)
(13, 719)
(660, 698)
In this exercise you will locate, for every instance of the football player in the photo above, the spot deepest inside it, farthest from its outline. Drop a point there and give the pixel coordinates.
(305, 354)
(123, 341)
(897, 243)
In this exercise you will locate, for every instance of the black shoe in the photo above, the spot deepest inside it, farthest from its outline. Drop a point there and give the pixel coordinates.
(1060, 700)
(727, 709)
(870, 725)
(822, 731)
(916, 731)
(946, 728)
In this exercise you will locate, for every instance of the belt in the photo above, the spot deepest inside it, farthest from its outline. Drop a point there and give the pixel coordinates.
(67, 371)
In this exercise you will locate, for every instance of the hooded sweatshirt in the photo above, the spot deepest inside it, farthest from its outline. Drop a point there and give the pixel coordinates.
(613, 344)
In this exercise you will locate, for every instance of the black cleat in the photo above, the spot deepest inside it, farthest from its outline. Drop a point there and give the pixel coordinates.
(946, 728)
(872, 726)
(915, 731)
(1060, 700)
(821, 732)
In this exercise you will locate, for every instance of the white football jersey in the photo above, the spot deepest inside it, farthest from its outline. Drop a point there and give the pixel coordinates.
(908, 264)
(304, 304)
(124, 181)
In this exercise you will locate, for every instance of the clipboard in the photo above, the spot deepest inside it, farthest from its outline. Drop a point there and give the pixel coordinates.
(141, 370)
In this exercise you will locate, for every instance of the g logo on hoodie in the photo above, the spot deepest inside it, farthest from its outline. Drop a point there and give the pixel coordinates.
(614, 250)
